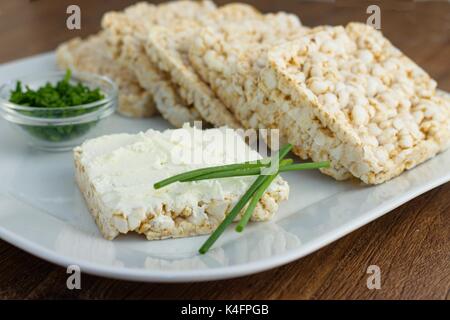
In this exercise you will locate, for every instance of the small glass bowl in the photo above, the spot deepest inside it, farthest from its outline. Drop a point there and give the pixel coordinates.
(58, 129)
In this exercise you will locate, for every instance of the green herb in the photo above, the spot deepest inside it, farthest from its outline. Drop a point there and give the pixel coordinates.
(252, 172)
(49, 101)
(240, 204)
(210, 170)
(253, 194)
(230, 217)
(62, 94)
(255, 199)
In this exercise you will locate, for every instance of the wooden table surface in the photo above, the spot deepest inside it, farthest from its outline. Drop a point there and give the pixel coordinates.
(411, 244)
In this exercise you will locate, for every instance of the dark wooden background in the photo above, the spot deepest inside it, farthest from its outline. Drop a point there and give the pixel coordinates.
(410, 244)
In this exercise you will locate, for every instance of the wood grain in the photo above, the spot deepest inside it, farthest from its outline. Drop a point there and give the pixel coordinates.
(410, 244)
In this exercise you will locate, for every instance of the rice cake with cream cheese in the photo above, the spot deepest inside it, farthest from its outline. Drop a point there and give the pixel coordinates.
(116, 174)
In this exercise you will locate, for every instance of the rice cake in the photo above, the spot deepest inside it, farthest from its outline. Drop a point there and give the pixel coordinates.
(116, 173)
(90, 55)
(380, 111)
(230, 56)
(168, 48)
(127, 32)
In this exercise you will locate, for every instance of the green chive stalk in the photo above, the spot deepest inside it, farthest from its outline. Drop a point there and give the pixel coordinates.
(240, 205)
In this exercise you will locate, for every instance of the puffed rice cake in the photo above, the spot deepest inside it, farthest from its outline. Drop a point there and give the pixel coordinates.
(122, 200)
(90, 55)
(380, 111)
(230, 56)
(232, 64)
(127, 32)
(168, 48)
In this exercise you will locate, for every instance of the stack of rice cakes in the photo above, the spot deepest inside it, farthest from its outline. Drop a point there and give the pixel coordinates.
(343, 94)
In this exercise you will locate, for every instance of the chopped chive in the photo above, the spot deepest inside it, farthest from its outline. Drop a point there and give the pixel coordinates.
(240, 204)
(50, 101)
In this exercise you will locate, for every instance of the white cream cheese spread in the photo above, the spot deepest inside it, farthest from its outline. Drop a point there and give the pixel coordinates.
(124, 167)
(116, 174)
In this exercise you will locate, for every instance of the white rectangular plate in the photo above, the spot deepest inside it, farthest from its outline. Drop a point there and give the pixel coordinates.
(42, 212)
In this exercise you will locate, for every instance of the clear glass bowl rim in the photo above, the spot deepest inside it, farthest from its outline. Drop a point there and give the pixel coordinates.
(106, 103)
